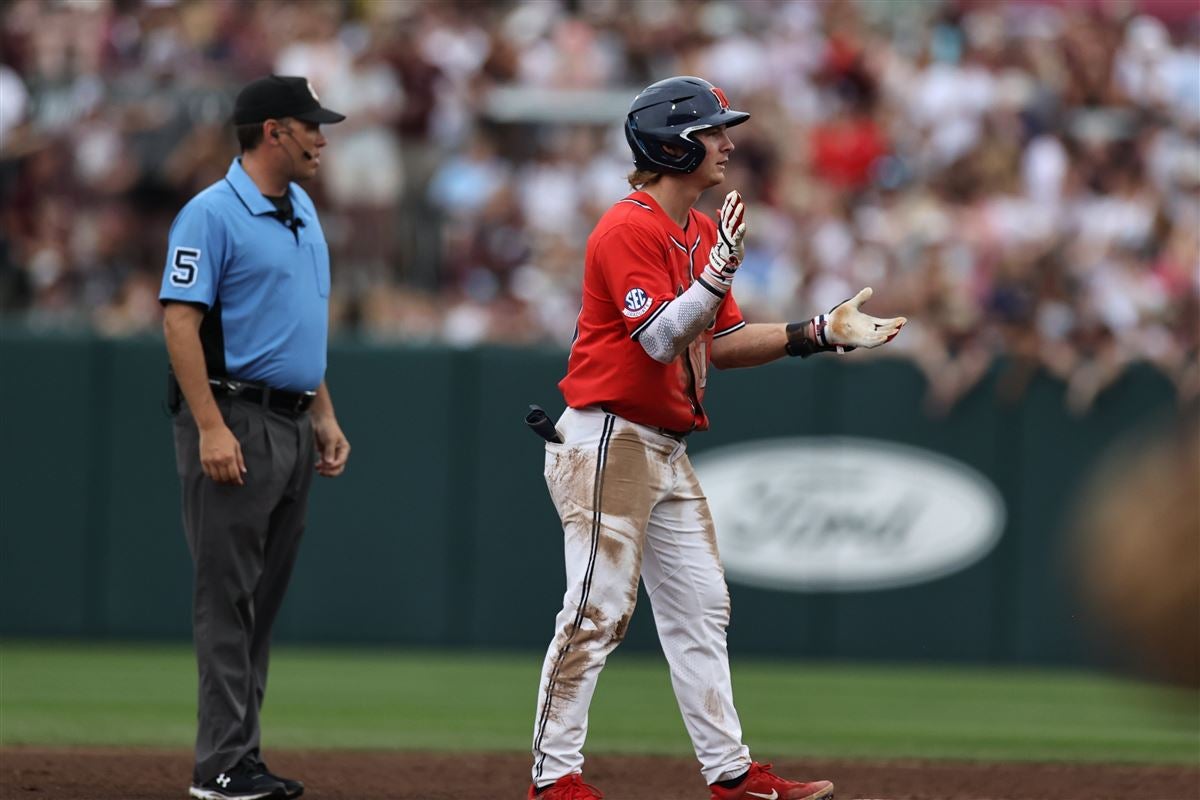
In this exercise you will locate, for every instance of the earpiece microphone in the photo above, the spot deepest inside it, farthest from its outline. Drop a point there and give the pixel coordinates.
(307, 155)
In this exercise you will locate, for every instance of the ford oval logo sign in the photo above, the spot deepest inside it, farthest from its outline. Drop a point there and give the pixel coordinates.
(846, 514)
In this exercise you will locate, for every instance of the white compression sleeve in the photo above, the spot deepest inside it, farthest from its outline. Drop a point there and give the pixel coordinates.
(668, 332)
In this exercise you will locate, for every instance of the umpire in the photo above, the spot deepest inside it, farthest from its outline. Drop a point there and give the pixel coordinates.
(246, 298)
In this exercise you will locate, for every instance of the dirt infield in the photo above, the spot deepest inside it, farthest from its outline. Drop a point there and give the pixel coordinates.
(342, 775)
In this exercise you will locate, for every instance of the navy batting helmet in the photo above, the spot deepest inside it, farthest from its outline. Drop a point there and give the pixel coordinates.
(668, 113)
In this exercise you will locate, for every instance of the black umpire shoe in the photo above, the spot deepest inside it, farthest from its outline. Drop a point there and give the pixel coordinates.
(254, 763)
(292, 788)
(241, 783)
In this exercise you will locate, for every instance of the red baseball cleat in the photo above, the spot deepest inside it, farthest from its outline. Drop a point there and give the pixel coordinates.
(568, 787)
(761, 783)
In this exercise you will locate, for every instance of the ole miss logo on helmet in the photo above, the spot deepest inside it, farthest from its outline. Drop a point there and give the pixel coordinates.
(721, 98)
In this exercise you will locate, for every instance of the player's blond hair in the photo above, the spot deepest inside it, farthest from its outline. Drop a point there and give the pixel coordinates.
(642, 177)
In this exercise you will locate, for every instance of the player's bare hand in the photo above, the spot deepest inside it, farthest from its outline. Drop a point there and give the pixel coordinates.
(726, 255)
(221, 456)
(848, 327)
(333, 449)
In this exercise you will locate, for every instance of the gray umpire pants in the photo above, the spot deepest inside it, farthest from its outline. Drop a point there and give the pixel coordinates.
(243, 541)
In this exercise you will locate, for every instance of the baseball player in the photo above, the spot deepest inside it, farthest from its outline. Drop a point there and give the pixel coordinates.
(657, 309)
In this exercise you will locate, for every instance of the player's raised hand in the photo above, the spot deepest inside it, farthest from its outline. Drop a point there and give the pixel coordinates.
(727, 254)
(732, 228)
(846, 327)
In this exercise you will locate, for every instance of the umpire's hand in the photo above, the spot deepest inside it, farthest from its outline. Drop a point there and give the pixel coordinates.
(221, 455)
(332, 446)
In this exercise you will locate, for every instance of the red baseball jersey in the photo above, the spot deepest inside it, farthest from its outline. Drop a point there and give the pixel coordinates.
(638, 260)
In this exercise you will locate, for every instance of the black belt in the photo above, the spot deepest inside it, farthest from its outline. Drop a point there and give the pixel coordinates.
(281, 400)
(678, 436)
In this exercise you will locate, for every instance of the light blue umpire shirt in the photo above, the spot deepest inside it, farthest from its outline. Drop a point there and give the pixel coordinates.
(264, 283)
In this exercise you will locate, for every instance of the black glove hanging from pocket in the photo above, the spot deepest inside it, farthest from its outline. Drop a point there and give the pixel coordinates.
(541, 424)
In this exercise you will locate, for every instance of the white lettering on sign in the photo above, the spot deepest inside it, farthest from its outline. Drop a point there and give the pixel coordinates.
(846, 514)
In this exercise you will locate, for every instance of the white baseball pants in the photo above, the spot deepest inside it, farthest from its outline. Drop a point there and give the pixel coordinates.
(631, 507)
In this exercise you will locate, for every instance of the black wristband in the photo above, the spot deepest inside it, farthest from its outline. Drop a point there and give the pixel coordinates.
(806, 338)
(800, 339)
(719, 293)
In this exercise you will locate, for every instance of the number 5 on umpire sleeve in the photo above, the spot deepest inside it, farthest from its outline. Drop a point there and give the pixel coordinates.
(183, 266)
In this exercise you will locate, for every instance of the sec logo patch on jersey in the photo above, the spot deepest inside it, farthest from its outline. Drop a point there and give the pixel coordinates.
(637, 302)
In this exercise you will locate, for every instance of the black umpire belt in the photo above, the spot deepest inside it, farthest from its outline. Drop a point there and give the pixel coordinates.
(281, 400)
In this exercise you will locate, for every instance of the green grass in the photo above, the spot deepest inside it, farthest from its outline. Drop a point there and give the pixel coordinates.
(86, 694)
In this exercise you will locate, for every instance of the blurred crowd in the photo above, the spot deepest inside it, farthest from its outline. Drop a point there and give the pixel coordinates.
(1020, 179)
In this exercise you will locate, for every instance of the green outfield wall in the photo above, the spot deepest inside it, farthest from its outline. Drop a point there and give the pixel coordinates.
(441, 532)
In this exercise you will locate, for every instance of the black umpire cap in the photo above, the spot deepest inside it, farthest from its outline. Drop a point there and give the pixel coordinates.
(278, 96)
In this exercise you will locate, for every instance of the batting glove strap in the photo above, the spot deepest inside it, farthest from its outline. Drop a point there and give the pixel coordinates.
(717, 276)
(806, 338)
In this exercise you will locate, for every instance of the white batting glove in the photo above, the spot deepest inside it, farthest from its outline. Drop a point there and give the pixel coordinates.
(727, 254)
(845, 327)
